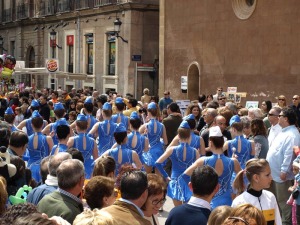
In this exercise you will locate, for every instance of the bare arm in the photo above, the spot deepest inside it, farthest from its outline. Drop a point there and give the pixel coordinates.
(50, 143)
(146, 147)
(174, 142)
(143, 128)
(46, 130)
(237, 167)
(166, 155)
(21, 125)
(94, 130)
(197, 163)
(225, 146)
(164, 135)
(252, 148)
(95, 151)
(202, 147)
(70, 142)
(136, 160)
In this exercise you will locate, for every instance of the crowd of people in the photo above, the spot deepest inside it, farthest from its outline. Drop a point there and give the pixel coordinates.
(82, 157)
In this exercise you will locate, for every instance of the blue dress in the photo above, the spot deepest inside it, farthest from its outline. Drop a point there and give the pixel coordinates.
(53, 127)
(223, 196)
(36, 155)
(61, 148)
(140, 144)
(156, 147)
(124, 119)
(176, 189)
(29, 128)
(93, 121)
(87, 153)
(126, 156)
(106, 137)
(195, 141)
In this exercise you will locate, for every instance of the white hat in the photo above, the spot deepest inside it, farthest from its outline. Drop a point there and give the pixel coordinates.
(215, 132)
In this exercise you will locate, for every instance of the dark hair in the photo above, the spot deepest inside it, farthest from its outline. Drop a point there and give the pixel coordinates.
(153, 112)
(120, 106)
(55, 93)
(33, 219)
(102, 99)
(192, 123)
(290, 114)
(62, 131)
(173, 107)
(269, 105)
(76, 154)
(133, 184)
(20, 165)
(119, 137)
(217, 141)
(59, 113)
(258, 127)
(104, 165)
(96, 189)
(17, 211)
(201, 98)
(184, 133)
(135, 123)
(107, 113)
(44, 168)
(212, 104)
(89, 107)
(239, 126)
(37, 122)
(133, 102)
(18, 139)
(253, 166)
(4, 136)
(9, 118)
(82, 125)
(199, 179)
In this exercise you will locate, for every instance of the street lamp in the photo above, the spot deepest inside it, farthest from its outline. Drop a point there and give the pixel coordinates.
(53, 42)
(117, 28)
(1, 45)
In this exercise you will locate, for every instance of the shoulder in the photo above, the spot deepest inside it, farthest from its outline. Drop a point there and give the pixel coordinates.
(239, 200)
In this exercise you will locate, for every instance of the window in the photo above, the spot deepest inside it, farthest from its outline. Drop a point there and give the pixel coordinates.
(111, 55)
(70, 46)
(90, 53)
(12, 48)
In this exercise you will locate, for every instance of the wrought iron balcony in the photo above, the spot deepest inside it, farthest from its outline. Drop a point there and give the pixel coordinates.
(6, 16)
(89, 68)
(63, 6)
(105, 2)
(46, 8)
(83, 4)
(22, 11)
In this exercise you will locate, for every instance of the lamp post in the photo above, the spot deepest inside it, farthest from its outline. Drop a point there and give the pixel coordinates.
(117, 28)
(53, 42)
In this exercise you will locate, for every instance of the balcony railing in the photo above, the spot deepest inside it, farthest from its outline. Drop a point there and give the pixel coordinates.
(22, 11)
(6, 16)
(46, 8)
(83, 4)
(105, 2)
(70, 68)
(111, 69)
(63, 6)
(89, 68)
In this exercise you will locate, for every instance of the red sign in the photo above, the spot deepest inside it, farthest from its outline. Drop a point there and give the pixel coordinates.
(52, 43)
(70, 39)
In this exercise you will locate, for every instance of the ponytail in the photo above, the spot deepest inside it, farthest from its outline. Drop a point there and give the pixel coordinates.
(238, 183)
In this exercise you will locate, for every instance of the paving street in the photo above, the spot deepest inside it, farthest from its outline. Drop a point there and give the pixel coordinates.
(162, 216)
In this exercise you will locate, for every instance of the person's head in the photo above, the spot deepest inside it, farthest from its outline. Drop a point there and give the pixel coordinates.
(70, 176)
(72, 116)
(281, 101)
(75, 154)
(258, 127)
(166, 94)
(99, 192)
(135, 121)
(209, 98)
(202, 98)
(146, 91)
(132, 102)
(37, 123)
(43, 99)
(173, 108)
(62, 132)
(3, 195)
(273, 115)
(287, 117)
(246, 121)
(55, 161)
(4, 136)
(216, 139)
(134, 186)
(156, 195)
(199, 185)
(33, 219)
(209, 115)
(220, 121)
(184, 131)
(266, 106)
(101, 100)
(295, 100)
(226, 113)
(258, 173)
(95, 217)
(105, 166)
(120, 134)
(245, 214)
(54, 95)
(81, 123)
(44, 168)
(255, 113)
(222, 100)
(243, 112)
(18, 140)
(79, 106)
(9, 115)
(18, 211)
(219, 215)
(219, 91)
(195, 110)
(88, 106)
(232, 107)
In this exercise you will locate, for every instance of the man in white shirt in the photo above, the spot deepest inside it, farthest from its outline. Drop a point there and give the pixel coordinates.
(275, 129)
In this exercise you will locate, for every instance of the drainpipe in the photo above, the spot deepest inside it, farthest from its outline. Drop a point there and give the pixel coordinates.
(79, 50)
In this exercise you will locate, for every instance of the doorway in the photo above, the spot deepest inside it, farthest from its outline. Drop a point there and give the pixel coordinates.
(193, 81)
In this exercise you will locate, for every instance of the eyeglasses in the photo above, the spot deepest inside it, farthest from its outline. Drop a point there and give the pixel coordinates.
(295, 98)
(220, 90)
(236, 219)
(270, 114)
(222, 98)
(281, 116)
(281, 99)
(161, 202)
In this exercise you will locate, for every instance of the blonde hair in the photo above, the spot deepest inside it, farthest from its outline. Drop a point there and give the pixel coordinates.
(219, 214)
(95, 217)
(246, 212)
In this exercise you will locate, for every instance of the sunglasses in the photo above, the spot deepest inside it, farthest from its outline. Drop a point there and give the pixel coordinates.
(236, 219)
(222, 98)
(220, 90)
(280, 116)
(270, 114)
(295, 98)
(281, 99)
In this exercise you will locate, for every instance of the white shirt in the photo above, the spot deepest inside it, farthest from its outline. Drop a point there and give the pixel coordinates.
(198, 202)
(274, 131)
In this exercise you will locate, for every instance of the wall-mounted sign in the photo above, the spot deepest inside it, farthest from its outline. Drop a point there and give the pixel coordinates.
(184, 80)
(136, 58)
(70, 39)
(52, 65)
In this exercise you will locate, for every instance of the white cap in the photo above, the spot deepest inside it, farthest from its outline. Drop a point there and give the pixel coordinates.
(215, 132)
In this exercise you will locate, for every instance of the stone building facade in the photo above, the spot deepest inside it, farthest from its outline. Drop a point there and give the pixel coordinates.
(85, 43)
(249, 44)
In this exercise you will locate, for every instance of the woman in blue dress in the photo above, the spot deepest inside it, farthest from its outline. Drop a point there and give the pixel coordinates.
(119, 117)
(39, 146)
(122, 154)
(136, 141)
(223, 165)
(104, 130)
(63, 134)
(195, 141)
(182, 156)
(154, 130)
(85, 144)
